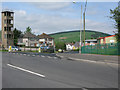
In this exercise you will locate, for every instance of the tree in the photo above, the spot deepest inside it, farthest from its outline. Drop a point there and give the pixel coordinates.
(17, 34)
(28, 30)
(60, 45)
(116, 16)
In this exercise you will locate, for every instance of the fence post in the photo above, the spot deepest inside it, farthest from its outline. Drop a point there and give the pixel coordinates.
(97, 48)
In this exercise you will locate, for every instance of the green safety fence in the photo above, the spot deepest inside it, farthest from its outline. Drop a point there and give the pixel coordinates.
(104, 49)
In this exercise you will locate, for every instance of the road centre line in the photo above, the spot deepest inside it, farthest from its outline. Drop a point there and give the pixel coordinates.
(25, 70)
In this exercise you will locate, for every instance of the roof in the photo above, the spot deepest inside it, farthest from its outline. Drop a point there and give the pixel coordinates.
(77, 44)
(7, 11)
(43, 35)
(70, 43)
(28, 35)
(106, 37)
(91, 40)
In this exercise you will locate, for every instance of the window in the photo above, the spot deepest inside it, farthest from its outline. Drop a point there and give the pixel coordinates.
(50, 39)
(5, 36)
(4, 14)
(111, 44)
(5, 21)
(5, 28)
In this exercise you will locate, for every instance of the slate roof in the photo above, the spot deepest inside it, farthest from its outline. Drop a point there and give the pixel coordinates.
(29, 35)
(43, 35)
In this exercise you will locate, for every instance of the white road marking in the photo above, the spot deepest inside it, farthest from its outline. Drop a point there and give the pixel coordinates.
(55, 57)
(25, 70)
(42, 56)
(49, 57)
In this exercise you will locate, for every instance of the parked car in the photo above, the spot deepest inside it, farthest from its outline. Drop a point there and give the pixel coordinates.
(15, 48)
(60, 50)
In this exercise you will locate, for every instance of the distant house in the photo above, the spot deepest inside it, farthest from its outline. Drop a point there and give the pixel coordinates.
(90, 42)
(45, 40)
(28, 39)
(105, 40)
(69, 46)
(32, 40)
(76, 45)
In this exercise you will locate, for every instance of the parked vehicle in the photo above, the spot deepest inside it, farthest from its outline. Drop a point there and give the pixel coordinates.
(60, 50)
(15, 48)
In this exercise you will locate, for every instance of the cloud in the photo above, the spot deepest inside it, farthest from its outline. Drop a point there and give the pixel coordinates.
(55, 23)
(51, 5)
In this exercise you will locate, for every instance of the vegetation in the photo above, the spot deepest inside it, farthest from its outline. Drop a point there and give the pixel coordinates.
(116, 16)
(74, 36)
(60, 45)
(28, 30)
(17, 34)
(0, 34)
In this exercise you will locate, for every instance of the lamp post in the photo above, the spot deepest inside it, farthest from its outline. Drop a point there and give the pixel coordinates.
(81, 25)
(84, 20)
(80, 31)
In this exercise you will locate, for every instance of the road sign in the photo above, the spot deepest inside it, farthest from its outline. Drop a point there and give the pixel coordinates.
(10, 48)
(39, 49)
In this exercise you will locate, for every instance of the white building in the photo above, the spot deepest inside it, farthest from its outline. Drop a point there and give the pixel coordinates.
(69, 46)
(45, 40)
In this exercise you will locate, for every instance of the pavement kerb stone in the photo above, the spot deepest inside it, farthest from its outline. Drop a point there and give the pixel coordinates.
(86, 60)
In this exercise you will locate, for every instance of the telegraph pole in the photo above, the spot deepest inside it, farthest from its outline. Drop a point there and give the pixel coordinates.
(84, 26)
(84, 20)
(80, 33)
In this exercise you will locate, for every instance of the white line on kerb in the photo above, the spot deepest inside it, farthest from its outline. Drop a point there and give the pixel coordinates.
(42, 56)
(25, 70)
(49, 57)
(55, 57)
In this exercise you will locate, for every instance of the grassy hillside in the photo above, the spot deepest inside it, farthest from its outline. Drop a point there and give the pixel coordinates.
(73, 36)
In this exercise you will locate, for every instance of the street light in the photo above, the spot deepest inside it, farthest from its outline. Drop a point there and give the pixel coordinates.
(83, 23)
(80, 31)
(84, 20)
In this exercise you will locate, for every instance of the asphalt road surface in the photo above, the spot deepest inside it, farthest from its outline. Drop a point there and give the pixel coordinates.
(25, 70)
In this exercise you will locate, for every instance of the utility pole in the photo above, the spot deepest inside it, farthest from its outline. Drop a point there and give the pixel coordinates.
(84, 20)
(80, 33)
(84, 26)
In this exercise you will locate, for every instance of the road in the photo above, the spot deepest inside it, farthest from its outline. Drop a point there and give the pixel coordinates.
(27, 70)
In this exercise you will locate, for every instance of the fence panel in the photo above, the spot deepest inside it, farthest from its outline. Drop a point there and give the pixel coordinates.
(104, 49)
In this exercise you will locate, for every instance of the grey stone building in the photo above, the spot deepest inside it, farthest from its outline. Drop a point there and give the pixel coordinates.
(7, 28)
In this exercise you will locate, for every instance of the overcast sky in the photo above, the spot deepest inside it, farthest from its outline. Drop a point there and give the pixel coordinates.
(51, 17)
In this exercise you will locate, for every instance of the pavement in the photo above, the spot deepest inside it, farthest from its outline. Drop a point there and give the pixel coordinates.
(90, 57)
(20, 70)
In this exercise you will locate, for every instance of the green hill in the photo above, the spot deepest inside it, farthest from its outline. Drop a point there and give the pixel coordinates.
(73, 36)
